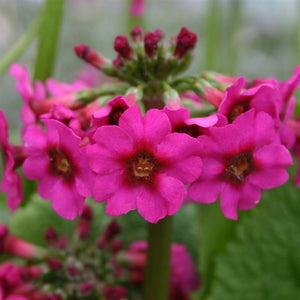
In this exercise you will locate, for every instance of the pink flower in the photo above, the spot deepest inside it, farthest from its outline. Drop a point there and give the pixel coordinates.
(35, 97)
(111, 113)
(13, 245)
(15, 283)
(183, 275)
(141, 165)
(239, 160)
(11, 180)
(185, 42)
(181, 121)
(57, 161)
(264, 97)
(137, 8)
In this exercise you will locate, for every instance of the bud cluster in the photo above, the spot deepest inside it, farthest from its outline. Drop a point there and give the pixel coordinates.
(79, 267)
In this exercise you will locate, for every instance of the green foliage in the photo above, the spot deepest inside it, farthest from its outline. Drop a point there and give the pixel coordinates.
(31, 221)
(263, 262)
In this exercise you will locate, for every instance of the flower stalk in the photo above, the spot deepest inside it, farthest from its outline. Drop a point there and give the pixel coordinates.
(158, 260)
(48, 39)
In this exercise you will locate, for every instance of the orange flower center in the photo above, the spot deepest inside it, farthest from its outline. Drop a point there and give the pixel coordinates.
(239, 167)
(60, 164)
(142, 167)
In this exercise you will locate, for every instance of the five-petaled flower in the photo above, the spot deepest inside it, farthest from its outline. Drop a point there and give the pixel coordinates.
(239, 160)
(142, 165)
(57, 161)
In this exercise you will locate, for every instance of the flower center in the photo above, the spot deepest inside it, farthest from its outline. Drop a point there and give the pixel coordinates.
(142, 167)
(237, 110)
(239, 167)
(115, 115)
(60, 164)
(191, 130)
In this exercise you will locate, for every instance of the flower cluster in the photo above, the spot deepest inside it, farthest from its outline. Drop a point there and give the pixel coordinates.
(77, 267)
(151, 139)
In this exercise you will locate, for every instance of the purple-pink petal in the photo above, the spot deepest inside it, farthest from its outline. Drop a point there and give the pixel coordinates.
(115, 139)
(250, 196)
(187, 169)
(106, 185)
(132, 122)
(151, 205)
(269, 178)
(273, 156)
(229, 200)
(66, 201)
(206, 191)
(172, 190)
(122, 201)
(177, 146)
(35, 167)
(156, 127)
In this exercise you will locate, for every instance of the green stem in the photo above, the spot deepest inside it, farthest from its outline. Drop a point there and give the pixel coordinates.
(21, 44)
(212, 35)
(48, 39)
(158, 260)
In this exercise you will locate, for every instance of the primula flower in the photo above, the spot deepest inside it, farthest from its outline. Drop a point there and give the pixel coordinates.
(13, 245)
(264, 97)
(57, 161)
(239, 160)
(181, 121)
(141, 165)
(137, 8)
(11, 181)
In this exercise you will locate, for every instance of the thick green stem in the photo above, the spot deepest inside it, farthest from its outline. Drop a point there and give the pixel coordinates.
(20, 45)
(48, 39)
(158, 260)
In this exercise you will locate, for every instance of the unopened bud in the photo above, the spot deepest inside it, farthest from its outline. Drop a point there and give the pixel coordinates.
(186, 41)
(150, 41)
(122, 46)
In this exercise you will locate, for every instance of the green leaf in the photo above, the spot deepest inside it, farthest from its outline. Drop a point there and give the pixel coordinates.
(215, 231)
(30, 222)
(263, 262)
(48, 39)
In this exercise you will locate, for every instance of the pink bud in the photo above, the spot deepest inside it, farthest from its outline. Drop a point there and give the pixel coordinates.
(186, 41)
(122, 46)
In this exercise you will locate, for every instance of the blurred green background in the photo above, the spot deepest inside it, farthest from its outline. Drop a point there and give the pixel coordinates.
(248, 37)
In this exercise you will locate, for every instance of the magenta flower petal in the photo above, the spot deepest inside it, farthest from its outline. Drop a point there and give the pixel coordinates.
(269, 178)
(123, 201)
(101, 160)
(172, 190)
(35, 167)
(264, 129)
(251, 195)
(34, 139)
(187, 170)
(106, 185)
(156, 126)
(229, 199)
(66, 201)
(151, 205)
(205, 191)
(132, 122)
(115, 139)
(176, 146)
(46, 186)
(273, 156)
